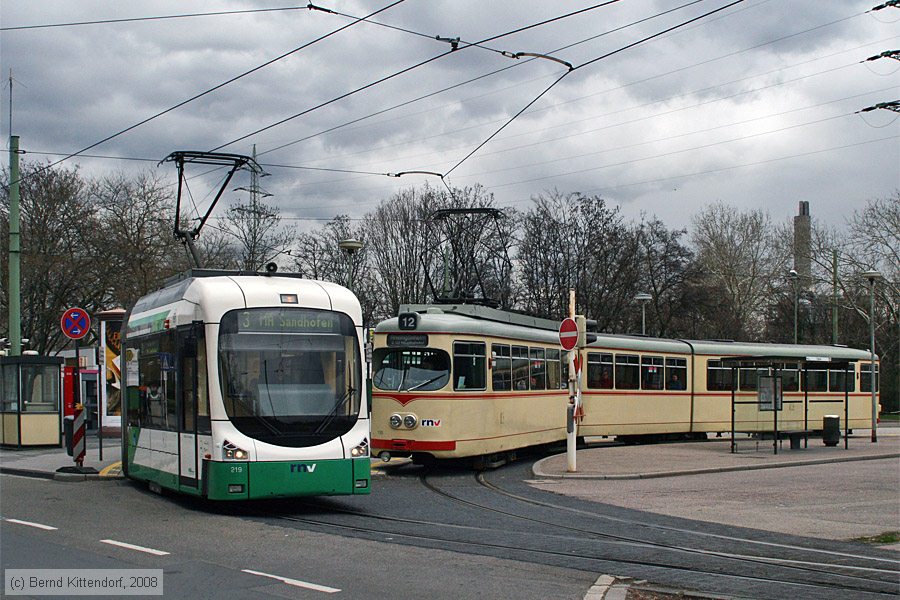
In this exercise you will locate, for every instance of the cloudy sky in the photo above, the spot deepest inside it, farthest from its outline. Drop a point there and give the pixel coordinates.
(755, 105)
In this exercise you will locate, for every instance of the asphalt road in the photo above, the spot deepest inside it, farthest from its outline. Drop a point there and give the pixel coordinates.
(211, 547)
(451, 533)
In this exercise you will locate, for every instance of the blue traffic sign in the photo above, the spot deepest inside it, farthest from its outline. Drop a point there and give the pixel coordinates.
(75, 323)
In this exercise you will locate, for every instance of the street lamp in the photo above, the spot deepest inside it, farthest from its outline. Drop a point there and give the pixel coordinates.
(350, 247)
(643, 298)
(872, 276)
(795, 277)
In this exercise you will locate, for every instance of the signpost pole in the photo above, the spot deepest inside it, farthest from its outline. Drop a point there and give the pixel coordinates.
(75, 324)
(571, 422)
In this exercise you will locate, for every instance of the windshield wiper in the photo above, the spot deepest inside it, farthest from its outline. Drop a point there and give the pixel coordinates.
(337, 406)
(432, 380)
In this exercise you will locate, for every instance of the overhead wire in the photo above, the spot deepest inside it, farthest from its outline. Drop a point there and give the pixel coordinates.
(221, 85)
(569, 123)
(588, 63)
(411, 68)
(474, 79)
(153, 18)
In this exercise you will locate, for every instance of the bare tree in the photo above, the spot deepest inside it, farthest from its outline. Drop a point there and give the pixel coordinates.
(576, 241)
(666, 267)
(261, 238)
(59, 264)
(135, 235)
(741, 259)
(400, 250)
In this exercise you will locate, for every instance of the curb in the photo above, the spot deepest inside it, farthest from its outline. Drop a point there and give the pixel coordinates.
(54, 476)
(27, 473)
(538, 471)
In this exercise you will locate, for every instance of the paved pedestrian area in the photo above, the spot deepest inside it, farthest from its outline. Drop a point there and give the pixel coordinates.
(818, 491)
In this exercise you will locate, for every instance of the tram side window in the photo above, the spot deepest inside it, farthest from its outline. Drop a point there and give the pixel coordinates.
(790, 378)
(676, 373)
(718, 378)
(469, 366)
(520, 367)
(554, 380)
(538, 379)
(748, 380)
(652, 372)
(815, 380)
(865, 377)
(600, 371)
(628, 372)
(839, 382)
(501, 372)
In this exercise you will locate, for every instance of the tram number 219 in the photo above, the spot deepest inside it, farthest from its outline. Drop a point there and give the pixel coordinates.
(237, 468)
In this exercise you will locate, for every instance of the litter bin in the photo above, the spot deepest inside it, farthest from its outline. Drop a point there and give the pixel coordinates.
(831, 430)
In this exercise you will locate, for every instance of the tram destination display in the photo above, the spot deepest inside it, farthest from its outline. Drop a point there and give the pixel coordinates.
(279, 320)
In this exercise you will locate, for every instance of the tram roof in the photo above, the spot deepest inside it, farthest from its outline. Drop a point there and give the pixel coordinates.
(182, 287)
(487, 321)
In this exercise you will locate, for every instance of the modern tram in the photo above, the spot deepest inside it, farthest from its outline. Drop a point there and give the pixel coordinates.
(244, 385)
(466, 380)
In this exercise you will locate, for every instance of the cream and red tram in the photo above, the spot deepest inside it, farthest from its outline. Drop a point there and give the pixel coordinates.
(454, 381)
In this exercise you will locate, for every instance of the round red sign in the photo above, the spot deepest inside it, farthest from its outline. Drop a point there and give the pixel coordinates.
(568, 334)
(75, 323)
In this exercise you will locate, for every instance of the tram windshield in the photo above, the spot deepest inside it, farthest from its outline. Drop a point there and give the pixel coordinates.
(290, 376)
(407, 370)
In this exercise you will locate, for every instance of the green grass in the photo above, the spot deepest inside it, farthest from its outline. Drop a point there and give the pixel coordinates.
(890, 416)
(888, 537)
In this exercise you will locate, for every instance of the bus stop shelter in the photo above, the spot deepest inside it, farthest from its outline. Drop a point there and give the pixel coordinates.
(769, 405)
(30, 406)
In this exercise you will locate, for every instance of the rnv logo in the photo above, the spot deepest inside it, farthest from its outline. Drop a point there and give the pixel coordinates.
(431, 422)
(302, 468)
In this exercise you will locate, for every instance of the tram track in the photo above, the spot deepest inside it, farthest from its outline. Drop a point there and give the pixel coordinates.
(804, 566)
(588, 563)
(576, 546)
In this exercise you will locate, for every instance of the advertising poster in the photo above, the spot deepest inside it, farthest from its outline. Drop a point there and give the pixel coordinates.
(110, 368)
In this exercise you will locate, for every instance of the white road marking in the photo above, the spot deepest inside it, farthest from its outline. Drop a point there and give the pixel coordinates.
(133, 547)
(30, 524)
(295, 582)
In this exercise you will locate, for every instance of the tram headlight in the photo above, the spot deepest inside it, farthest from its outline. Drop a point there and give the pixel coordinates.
(232, 452)
(396, 421)
(361, 450)
(410, 421)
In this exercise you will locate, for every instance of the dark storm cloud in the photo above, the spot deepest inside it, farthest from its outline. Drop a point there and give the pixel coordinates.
(752, 106)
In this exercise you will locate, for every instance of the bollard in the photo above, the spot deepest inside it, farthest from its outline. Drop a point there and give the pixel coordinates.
(831, 430)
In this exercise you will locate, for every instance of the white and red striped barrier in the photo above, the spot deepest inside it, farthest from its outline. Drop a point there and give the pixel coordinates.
(78, 438)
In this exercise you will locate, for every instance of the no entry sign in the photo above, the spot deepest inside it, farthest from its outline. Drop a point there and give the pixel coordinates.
(568, 334)
(75, 323)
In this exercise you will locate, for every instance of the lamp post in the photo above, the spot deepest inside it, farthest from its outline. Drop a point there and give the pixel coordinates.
(872, 276)
(350, 247)
(643, 298)
(794, 277)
